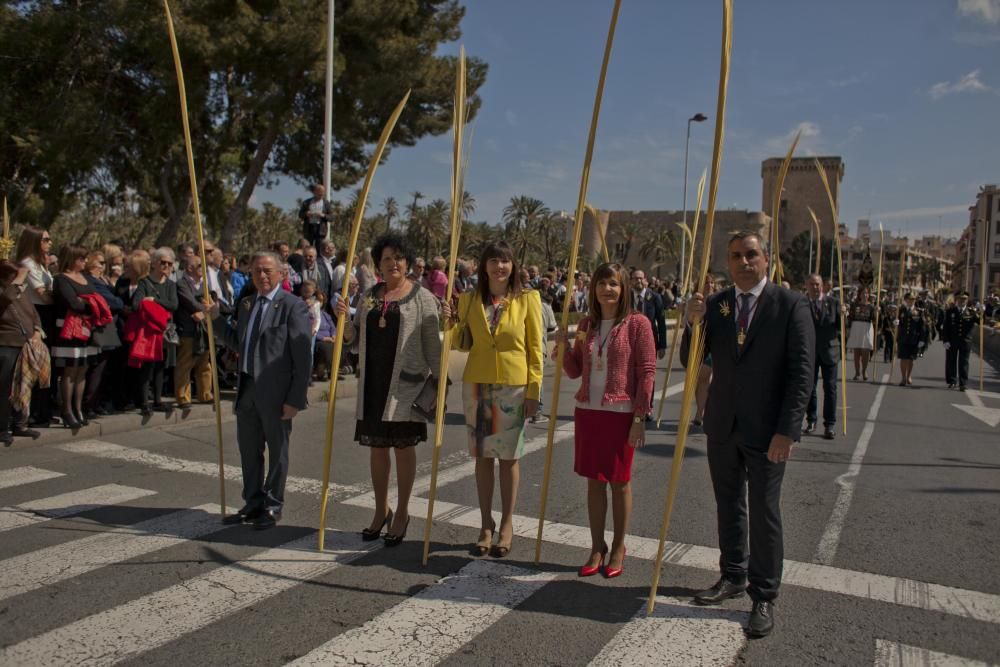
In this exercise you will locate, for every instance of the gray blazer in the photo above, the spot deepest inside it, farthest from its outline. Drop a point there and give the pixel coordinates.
(284, 359)
(418, 352)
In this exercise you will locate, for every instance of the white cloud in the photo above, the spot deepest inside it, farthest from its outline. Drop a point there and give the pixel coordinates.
(970, 83)
(921, 212)
(988, 10)
(809, 141)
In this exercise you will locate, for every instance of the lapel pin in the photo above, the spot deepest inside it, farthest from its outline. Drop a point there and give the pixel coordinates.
(724, 308)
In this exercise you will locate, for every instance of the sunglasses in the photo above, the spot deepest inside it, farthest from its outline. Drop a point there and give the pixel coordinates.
(166, 262)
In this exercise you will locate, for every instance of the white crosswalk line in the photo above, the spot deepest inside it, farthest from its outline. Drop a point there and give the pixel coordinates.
(25, 475)
(67, 504)
(109, 450)
(864, 585)
(436, 622)
(45, 567)
(677, 633)
(158, 618)
(895, 654)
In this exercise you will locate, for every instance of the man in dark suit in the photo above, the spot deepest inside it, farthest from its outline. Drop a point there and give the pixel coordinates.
(959, 322)
(826, 313)
(315, 214)
(762, 342)
(650, 304)
(274, 337)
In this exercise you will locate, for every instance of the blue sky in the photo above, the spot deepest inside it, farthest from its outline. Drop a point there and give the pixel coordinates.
(906, 91)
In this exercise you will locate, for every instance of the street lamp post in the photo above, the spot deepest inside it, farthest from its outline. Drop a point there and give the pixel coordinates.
(697, 118)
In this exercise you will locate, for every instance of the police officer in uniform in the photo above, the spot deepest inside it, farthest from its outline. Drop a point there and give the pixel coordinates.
(912, 337)
(960, 321)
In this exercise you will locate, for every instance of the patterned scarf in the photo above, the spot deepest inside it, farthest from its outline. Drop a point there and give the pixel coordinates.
(33, 364)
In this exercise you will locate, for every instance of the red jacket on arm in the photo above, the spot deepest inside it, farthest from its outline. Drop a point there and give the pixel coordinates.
(144, 330)
(631, 359)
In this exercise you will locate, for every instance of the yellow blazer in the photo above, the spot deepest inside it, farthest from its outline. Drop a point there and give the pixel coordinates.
(514, 353)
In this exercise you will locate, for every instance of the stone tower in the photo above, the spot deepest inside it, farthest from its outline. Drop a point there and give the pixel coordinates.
(803, 189)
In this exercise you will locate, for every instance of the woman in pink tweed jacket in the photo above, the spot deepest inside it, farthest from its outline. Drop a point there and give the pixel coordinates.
(615, 354)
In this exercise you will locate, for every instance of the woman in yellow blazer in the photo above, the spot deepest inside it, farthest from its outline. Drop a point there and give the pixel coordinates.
(501, 383)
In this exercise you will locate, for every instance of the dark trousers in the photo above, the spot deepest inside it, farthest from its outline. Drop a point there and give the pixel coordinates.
(956, 364)
(94, 390)
(151, 381)
(257, 427)
(8, 361)
(743, 479)
(829, 372)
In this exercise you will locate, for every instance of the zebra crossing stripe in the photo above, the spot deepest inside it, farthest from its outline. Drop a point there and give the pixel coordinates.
(864, 585)
(67, 504)
(25, 475)
(51, 565)
(677, 633)
(156, 619)
(109, 450)
(436, 622)
(895, 654)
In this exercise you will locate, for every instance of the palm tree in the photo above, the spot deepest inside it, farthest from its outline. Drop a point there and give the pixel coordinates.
(468, 205)
(390, 211)
(427, 228)
(521, 217)
(630, 232)
(661, 247)
(417, 196)
(551, 236)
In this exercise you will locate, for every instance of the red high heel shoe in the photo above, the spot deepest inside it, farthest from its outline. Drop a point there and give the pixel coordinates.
(588, 571)
(612, 572)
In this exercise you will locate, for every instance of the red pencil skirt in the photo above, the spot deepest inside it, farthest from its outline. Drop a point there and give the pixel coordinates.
(602, 449)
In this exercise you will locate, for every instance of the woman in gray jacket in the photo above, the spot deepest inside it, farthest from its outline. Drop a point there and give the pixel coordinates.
(396, 328)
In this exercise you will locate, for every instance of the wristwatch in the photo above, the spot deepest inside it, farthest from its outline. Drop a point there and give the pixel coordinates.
(637, 419)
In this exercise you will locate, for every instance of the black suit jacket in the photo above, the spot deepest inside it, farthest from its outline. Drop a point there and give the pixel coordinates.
(959, 326)
(827, 327)
(283, 363)
(764, 388)
(652, 307)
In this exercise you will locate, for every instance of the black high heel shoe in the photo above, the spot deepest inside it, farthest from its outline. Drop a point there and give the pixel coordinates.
(369, 535)
(81, 418)
(396, 540)
(69, 421)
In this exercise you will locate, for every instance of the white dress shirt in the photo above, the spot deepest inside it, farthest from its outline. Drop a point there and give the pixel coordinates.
(756, 291)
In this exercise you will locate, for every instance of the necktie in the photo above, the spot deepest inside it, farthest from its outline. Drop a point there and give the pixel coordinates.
(743, 319)
(251, 350)
(816, 309)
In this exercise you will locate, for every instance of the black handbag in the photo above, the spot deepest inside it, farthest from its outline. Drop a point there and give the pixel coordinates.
(425, 403)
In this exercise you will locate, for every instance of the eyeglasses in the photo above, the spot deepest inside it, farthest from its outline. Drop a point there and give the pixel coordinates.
(166, 262)
(393, 260)
(47, 238)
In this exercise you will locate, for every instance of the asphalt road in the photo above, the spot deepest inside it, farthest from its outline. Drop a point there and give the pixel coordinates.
(111, 551)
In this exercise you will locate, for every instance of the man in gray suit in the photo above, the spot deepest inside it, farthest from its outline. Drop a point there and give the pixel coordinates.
(762, 342)
(273, 336)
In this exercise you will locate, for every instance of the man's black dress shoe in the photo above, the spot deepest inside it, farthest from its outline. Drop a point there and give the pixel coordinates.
(828, 433)
(245, 515)
(722, 590)
(267, 519)
(761, 619)
(26, 433)
(810, 427)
